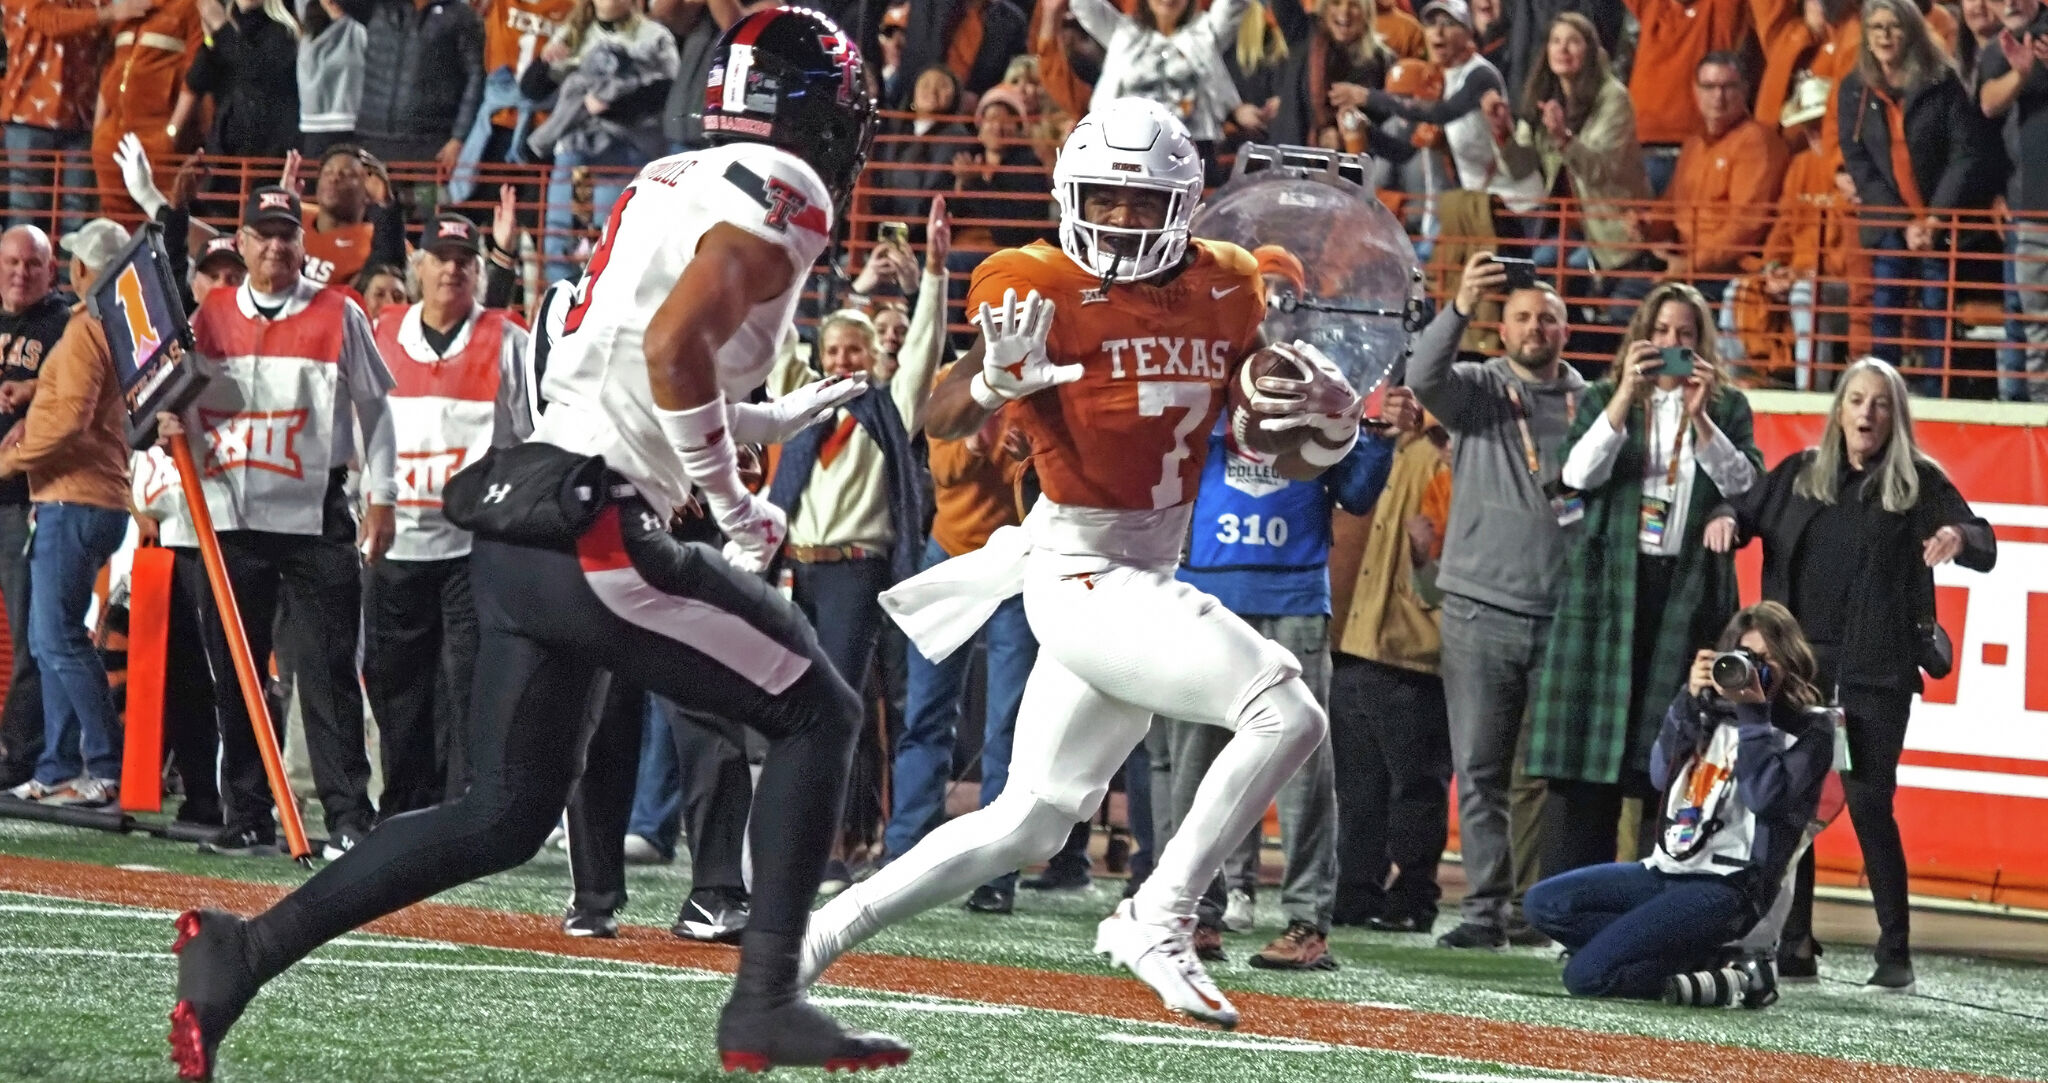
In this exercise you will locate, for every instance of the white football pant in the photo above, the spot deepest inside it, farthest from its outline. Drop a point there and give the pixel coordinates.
(1118, 643)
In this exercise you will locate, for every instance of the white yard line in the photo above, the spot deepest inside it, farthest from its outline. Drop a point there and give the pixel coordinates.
(955, 1007)
(670, 974)
(1256, 1045)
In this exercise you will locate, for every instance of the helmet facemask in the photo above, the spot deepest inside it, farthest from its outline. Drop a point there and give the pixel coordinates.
(1096, 247)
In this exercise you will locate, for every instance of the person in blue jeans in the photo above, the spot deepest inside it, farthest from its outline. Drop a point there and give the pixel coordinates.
(609, 68)
(73, 446)
(975, 481)
(1741, 764)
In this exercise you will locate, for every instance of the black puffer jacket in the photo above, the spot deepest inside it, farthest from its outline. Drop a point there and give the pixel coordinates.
(423, 75)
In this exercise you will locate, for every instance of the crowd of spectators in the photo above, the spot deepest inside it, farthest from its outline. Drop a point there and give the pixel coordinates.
(1753, 183)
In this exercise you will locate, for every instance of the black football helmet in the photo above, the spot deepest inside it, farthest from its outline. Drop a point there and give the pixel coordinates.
(790, 78)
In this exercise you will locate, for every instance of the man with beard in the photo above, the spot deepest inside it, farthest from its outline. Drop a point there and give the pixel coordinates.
(1510, 517)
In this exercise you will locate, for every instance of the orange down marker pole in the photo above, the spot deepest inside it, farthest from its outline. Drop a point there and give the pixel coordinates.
(238, 646)
(149, 599)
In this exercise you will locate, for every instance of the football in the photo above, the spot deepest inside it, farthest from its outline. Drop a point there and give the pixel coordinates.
(1244, 424)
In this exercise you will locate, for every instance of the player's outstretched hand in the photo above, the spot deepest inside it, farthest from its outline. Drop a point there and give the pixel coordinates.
(1013, 362)
(754, 530)
(776, 421)
(1324, 399)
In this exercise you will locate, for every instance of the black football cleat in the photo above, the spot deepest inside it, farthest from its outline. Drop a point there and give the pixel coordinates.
(215, 983)
(798, 1035)
(590, 924)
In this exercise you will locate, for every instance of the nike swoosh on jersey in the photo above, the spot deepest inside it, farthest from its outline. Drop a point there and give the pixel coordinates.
(1216, 294)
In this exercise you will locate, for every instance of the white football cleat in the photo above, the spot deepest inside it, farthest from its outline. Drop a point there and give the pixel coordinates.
(1163, 957)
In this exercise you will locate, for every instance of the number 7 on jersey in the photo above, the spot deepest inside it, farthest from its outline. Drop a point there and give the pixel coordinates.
(1155, 397)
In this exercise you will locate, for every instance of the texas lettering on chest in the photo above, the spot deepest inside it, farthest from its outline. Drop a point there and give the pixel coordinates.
(1146, 357)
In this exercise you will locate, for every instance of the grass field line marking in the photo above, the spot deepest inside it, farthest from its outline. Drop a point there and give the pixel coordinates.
(1477, 1077)
(1470, 1038)
(669, 974)
(956, 1007)
(125, 913)
(1276, 1045)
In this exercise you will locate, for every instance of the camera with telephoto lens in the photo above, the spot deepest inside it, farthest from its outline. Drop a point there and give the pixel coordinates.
(1741, 669)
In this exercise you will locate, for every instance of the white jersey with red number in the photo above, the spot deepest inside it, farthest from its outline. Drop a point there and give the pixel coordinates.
(155, 487)
(280, 414)
(446, 411)
(599, 399)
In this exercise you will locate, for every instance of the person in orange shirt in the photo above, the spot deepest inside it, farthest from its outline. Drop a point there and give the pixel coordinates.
(138, 91)
(1804, 257)
(1400, 30)
(53, 57)
(1676, 35)
(1818, 36)
(1728, 172)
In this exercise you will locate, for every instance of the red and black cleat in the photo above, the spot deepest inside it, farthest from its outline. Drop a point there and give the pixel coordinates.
(215, 982)
(797, 1035)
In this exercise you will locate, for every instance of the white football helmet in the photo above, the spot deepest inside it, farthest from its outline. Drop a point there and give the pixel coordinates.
(1131, 142)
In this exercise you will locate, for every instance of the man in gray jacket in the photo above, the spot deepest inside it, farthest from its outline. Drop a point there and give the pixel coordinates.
(1510, 521)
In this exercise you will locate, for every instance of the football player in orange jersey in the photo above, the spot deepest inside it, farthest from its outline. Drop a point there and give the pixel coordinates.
(1115, 364)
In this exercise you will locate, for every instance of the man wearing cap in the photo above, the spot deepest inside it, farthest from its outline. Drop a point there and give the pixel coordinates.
(461, 390)
(32, 318)
(73, 446)
(1468, 78)
(220, 266)
(273, 434)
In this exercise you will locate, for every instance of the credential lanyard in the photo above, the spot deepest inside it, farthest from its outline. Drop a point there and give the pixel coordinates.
(1529, 450)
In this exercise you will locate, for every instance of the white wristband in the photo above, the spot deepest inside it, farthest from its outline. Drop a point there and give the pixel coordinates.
(984, 396)
(701, 441)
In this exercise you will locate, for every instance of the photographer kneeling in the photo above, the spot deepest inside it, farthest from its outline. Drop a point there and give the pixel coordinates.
(1740, 760)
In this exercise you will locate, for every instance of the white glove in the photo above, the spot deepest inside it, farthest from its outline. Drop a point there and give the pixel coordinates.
(135, 173)
(754, 530)
(1013, 361)
(777, 420)
(1324, 402)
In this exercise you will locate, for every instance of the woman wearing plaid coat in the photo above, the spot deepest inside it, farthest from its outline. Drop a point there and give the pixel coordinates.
(1653, 452)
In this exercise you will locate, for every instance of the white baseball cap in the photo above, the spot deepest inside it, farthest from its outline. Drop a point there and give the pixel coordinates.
(95, 243)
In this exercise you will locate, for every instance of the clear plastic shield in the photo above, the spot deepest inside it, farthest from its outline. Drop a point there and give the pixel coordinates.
(1361, 274)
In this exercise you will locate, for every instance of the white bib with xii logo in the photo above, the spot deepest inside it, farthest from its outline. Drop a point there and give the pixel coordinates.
(274, 421)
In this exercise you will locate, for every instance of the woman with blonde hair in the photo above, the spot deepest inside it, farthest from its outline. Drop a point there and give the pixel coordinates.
(1740, 758)
(1170, 52)
(1853, 530)
(249, 63)
(1333, 71)
(1655, 447)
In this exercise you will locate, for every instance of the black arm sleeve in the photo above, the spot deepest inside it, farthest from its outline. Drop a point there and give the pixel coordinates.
(387, 237)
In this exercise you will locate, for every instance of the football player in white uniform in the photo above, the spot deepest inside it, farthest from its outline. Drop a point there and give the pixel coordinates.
(679, 310)
(1113, 352)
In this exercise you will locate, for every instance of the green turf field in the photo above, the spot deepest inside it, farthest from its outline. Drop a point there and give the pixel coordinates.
(91, 985)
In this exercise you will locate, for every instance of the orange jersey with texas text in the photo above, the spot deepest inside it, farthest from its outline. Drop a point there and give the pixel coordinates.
(1132, 432)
